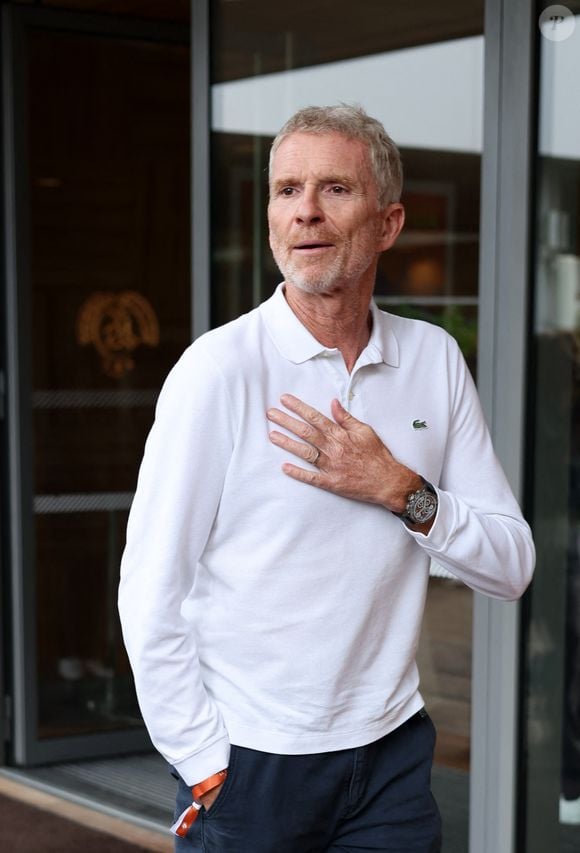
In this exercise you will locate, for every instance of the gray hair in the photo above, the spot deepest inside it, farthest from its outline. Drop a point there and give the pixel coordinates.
(353, 122)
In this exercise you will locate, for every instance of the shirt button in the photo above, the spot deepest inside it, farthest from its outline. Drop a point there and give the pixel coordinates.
(351, 395)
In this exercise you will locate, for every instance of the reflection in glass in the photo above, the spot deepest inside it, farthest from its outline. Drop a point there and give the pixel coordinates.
(552, 625)
(108, 146)
(84, 679)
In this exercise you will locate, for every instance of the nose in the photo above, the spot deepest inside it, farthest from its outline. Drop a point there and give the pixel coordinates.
(309, 210)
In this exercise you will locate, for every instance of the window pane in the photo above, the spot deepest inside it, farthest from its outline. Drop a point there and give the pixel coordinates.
(419, 69)
(108, 141)
(552, 635)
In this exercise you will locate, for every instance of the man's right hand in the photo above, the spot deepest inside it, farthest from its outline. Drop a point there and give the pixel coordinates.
(208, 799)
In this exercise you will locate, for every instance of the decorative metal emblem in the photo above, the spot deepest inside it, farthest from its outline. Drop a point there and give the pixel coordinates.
(116, 323)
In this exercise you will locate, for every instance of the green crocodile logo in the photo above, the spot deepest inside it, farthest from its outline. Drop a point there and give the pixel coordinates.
(417, 424)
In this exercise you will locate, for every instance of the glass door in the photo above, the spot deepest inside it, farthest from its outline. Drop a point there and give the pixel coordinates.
(551, 702)
(421, 73)
(101, 312)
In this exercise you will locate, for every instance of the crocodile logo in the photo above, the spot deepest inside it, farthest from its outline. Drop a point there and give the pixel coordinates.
(417, 424)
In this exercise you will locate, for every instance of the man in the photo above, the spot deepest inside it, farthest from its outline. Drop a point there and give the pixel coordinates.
(306, 462)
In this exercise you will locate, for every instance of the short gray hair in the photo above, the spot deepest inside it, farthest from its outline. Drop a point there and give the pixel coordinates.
(353, 122)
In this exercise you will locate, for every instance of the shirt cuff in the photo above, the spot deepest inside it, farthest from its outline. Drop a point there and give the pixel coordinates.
(205, 763)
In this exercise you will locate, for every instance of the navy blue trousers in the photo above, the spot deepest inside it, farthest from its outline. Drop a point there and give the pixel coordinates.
(375, 797)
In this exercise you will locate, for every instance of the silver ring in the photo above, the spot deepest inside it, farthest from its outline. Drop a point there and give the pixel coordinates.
(316, 458)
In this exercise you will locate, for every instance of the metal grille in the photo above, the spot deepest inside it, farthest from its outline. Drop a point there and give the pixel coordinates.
(95, 502)
(93, 399)
(145, 779)
(138, 788)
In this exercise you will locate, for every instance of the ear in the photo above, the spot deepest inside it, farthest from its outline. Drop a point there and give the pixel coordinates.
(393, 219)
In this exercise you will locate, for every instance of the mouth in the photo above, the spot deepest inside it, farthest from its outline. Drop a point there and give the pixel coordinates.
(313, 246)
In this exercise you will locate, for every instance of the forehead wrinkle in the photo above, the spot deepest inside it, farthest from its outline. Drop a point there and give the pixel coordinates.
(306, 158)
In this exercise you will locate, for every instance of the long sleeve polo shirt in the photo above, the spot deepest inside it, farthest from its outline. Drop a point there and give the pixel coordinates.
(261, 611)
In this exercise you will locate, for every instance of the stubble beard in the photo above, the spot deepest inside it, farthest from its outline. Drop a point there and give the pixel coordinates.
(325, 280)
(308, 281)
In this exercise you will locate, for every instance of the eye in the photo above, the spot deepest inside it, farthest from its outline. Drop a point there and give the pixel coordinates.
(287, 191)
(337, 189)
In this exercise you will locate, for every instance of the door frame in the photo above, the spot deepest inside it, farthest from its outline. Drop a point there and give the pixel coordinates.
(24, 747)
(511, 35)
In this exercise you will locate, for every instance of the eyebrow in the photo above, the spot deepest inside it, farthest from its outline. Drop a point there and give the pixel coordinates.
(289, 181)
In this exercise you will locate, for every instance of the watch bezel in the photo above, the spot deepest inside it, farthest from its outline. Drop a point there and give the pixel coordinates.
(427, 508)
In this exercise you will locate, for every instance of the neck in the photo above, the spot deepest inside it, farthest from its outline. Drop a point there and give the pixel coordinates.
(340, 319)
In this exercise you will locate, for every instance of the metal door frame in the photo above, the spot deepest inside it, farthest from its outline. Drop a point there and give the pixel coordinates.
(504, 329)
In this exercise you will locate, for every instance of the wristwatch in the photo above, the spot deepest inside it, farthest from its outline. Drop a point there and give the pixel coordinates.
(421, 505)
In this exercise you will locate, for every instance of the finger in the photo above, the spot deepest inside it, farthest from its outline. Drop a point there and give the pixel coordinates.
(299, 428)
(310, 414)
(307, 452)
(312, 477)
(341, 416)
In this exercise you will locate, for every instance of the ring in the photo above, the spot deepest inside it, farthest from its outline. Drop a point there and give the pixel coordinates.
(316, 458)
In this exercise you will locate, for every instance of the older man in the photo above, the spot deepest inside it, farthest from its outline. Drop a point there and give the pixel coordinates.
(307, 460)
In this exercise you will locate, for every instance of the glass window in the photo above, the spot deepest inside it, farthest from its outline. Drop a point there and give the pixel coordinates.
(419, 69)
(108, 155)
(551, 731)
(426, 88)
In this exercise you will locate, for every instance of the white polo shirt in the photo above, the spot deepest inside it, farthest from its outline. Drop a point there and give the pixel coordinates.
(261, 611)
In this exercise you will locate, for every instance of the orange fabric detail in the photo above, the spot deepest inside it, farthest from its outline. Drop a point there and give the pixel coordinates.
(209, 784)
(190, 815)
(187, 819)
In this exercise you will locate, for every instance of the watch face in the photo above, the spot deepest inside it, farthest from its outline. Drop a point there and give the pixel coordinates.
(425, 507)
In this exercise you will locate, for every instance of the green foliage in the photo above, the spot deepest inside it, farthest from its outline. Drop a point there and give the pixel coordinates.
(451, 318)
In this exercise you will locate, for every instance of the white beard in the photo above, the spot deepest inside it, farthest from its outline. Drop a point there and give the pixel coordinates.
(308, 281)
(345, 269)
